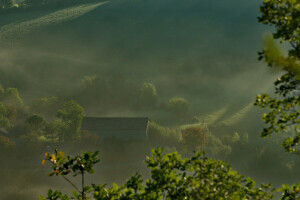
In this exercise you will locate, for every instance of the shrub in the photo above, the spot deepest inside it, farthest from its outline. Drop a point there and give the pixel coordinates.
(178, 106)
(172, 178)
(193, 139)
(163, 136)
(35, 123)
(215, 147)
(71, 115)
(12, 97)
(6, 143)
(4, 121)
(148, 95)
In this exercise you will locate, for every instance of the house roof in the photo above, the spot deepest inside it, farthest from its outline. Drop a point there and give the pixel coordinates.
(115, 123)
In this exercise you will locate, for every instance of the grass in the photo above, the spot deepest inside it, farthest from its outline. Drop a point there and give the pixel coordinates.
(238, 116)
(16, 30)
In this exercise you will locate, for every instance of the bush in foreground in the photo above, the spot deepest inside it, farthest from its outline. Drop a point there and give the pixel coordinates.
(171, 178)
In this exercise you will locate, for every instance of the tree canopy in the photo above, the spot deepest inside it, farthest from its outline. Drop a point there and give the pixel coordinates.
(71, 115)
(178, 106)
(284, 113)
(172, 178)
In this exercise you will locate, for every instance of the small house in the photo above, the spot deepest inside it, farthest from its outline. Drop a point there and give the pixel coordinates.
(124, 128)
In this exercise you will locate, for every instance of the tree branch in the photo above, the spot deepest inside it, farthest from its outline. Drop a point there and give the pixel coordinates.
(83, 195)
(71, 183)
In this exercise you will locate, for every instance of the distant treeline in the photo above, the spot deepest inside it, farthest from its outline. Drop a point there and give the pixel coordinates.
(7, 6)
(55, 121)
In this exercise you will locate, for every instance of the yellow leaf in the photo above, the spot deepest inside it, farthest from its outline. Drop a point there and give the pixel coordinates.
(61, 153)
(43, 162)
(53, 158)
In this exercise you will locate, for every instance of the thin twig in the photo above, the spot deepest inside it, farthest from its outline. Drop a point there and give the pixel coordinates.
(83, 195)
(71, 184)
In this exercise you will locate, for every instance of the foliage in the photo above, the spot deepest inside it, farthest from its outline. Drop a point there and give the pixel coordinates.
(87, 136)
(178, 106)
(148, 95)
(245, 138)
(46, 106)
(12, 97)
(5, 4)
(71, 115)
(5, 142)
(89, 140)
(2, 91)
(35, 123)
(290, 192)
(107, 94)
(163, 136)
(54, 130)
(11, 112)
(284, 16)
(4, 121)
(236, 137)
(79, 165)
(89, 81)
(171, 178)
(215, 147)
(8, 115)
(284, 113)
(10, 105)
(193, 139)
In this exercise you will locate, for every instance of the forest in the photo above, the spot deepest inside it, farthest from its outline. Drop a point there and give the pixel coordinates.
(224, 123)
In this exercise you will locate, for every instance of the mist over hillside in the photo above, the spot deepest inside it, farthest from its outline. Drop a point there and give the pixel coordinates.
(164, 42)
(204, 51)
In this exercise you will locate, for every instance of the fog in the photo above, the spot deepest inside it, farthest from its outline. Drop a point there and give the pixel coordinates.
(204, 51)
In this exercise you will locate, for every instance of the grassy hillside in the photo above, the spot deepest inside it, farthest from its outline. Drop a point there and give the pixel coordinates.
(200, 50)
(203, 51)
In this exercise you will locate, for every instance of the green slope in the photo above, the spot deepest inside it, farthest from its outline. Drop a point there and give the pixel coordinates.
(17, 30)
(201, 50)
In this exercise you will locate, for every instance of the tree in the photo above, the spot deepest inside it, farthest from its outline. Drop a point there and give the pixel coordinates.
(88, 81)
(8, 115)
(46, 106)
(71, 115)
(4, 4)
(148, 95)
(5, 142)
(178, 106)
(284, 113)
(79, 165)
(32, 3)
(7, 147)
(35, 123)
(2, 92)
(10, 102)
(12, 97)
(163, 136)
(215, 146)
(54, 130)
(172, 178)
(4, 121)
(193, 139)
(11, 112)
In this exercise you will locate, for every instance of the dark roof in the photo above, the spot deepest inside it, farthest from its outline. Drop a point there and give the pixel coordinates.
(115, 123)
